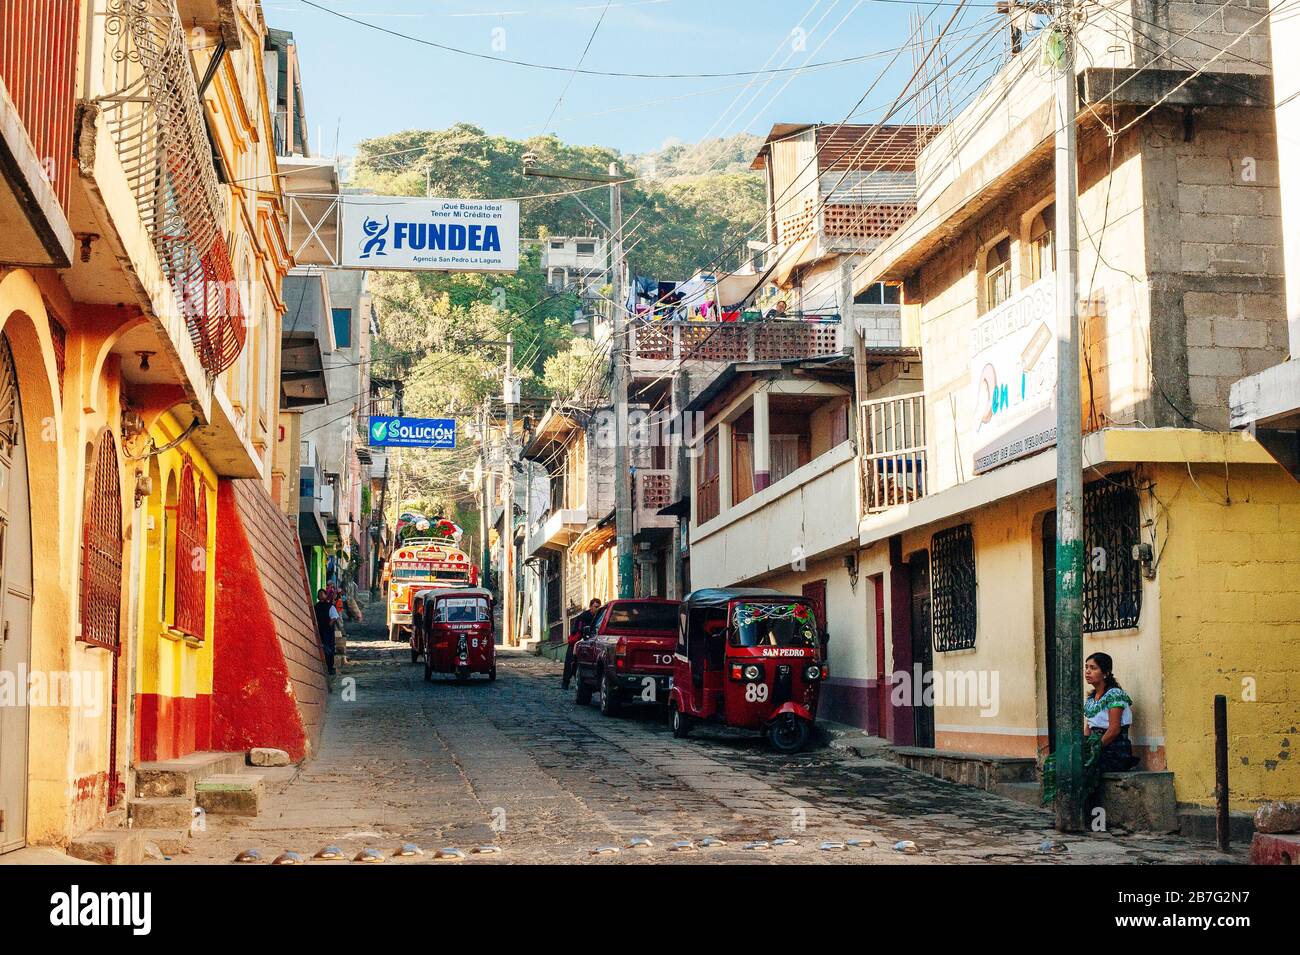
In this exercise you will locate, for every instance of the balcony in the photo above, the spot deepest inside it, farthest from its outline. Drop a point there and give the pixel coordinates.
(652, 490)
(38, 54)
(557, 530)
(658, 346)
(311, 484)
(306, 335)
(153, 119)
(809, 514)
(894, 452)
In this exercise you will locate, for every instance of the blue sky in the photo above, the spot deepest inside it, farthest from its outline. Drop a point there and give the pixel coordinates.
(361, 83)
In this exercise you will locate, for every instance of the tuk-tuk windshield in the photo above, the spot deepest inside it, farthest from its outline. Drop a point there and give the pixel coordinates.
(461, 610)
(773, 625)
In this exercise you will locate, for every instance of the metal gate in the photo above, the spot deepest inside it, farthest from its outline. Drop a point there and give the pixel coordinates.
(101, 577)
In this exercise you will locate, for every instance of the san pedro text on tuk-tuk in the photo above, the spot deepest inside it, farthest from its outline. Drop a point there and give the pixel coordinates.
(452, 630)
(749, 658)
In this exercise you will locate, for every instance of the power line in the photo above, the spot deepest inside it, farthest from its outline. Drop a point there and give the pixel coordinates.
(550, 67)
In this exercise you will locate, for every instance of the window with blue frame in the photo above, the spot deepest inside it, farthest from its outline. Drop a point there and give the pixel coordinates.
(342, 327)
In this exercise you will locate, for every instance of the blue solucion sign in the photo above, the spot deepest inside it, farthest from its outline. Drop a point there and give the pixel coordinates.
(386, 432)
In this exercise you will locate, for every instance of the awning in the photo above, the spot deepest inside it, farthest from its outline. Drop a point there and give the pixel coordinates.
(595, 539)
(793, 257)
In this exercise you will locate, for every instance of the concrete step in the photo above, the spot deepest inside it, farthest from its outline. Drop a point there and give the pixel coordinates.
(161, 812)
(230, 794)
(1030, 794)
(171, 842)
(108, 847)
(176, 777)
(1200, 824)
(970, 769)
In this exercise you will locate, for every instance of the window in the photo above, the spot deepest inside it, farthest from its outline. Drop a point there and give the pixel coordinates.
(1112, 579)
(643, 616)
(101, 549)
(557, 244)
(706, 480)
(840, 424)
(879, 293)
(997, 274)
(952, 589)
(786, 455)
(742, 466)
(342, 327)
(586, 248)
(191, 558)
(1042, 243)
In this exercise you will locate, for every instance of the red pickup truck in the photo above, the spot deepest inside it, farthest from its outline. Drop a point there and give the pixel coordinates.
(628, 653)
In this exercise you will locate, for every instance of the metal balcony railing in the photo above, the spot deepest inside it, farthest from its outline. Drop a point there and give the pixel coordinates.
(38, 61)
(767, 339)
(893, 451)
(156, 120)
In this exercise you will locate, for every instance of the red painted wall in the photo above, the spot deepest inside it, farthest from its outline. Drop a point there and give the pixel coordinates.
(268, 681)
(167, 727)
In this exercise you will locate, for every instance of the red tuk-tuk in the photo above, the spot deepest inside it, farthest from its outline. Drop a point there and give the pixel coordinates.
(749, 658)
(452, 630)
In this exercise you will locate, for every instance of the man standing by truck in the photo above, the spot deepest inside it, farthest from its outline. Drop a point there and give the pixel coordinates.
(582, 623)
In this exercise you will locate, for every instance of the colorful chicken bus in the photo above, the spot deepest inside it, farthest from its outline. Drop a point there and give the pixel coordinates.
(420, 563)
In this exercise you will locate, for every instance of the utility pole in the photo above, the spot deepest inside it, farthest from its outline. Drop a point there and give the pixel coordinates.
(622, 473)
(485, 495)
(528, 524)
(509, 595)
(1068, 704)
(681, 480)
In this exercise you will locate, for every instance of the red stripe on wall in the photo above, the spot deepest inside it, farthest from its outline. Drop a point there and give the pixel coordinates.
(167, 727)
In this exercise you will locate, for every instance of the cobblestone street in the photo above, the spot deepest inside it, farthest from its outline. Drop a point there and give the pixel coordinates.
(440, 765)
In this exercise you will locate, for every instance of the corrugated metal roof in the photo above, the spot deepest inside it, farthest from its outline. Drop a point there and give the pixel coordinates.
(855, 145)
(870, 146)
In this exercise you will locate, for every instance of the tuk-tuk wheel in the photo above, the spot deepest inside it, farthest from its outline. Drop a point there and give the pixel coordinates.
(492, 673)
(583, 695)
(789, 733)
(428, 669)
(415, 655)
(679, 722)
(610, 703)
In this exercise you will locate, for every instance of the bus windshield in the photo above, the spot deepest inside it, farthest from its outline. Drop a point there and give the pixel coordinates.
(773, 625)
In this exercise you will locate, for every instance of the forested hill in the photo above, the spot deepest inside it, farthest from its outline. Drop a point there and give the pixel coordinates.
(695, 204)
(441, 334)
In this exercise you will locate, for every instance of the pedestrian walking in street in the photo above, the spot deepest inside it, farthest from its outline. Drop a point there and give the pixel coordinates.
(327, 618)
(581, 624)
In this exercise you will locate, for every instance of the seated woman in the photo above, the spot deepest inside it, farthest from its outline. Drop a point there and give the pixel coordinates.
(1108, 711)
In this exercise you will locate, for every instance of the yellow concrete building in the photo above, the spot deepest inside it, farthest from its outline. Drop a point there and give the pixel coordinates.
(1189, 529)
(139, 305)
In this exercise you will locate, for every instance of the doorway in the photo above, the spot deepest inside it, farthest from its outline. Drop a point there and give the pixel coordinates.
(882, 683)
(15, 604)
(922, 648)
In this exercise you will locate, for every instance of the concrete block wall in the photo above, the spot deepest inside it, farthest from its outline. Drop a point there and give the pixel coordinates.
(1215, 258)
(1230, 624)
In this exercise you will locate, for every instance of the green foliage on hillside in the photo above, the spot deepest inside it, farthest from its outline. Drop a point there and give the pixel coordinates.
(443, 334)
